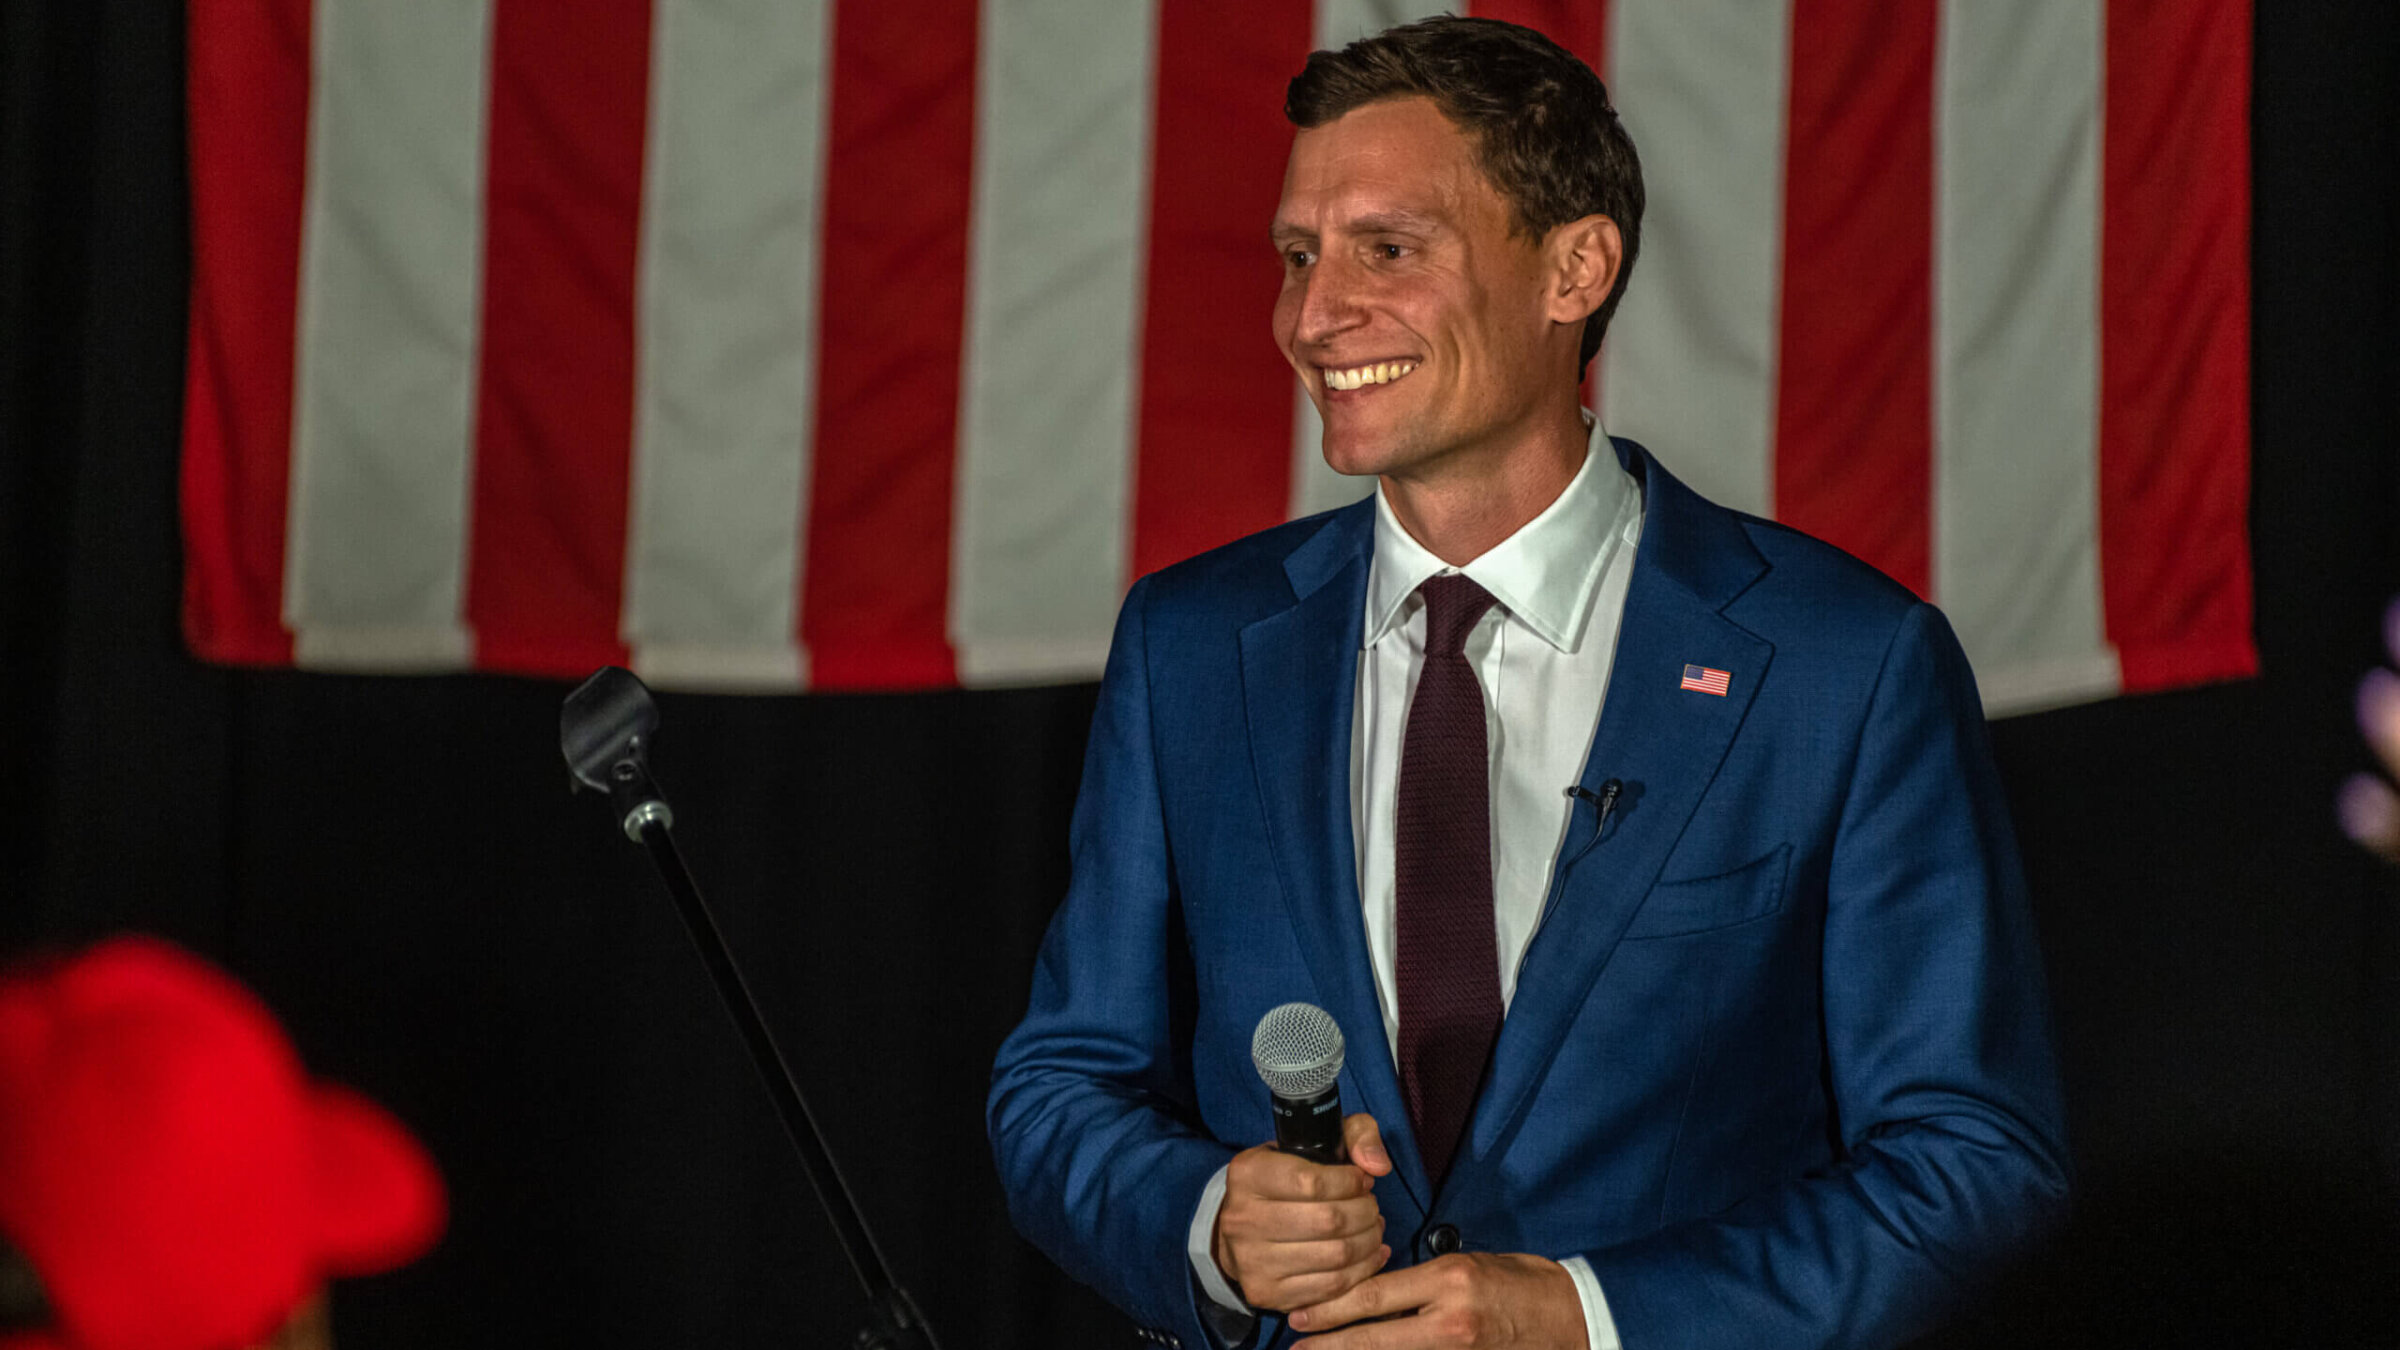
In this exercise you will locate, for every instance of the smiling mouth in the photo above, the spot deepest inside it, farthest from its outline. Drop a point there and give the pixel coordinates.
(1359, 377)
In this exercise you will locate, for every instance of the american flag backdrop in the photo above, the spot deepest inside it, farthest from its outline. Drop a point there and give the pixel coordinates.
(793, 344)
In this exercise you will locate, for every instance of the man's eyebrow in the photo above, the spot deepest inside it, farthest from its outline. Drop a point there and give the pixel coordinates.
(1373, 222)
(1395, 222)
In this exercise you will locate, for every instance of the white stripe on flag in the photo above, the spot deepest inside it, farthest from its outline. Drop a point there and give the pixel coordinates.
(1689, 369)
(1054, 323)
(1316, 487)
(726, 342)
(384, 376)
(1342, 22)
(2016, 376)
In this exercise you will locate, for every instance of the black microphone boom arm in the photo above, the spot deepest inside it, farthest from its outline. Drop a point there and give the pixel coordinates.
(605, 730)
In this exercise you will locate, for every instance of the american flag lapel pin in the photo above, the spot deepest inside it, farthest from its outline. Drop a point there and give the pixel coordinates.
(1706, 680)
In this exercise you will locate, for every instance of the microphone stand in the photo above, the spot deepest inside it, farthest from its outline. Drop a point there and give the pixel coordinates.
(605, 729)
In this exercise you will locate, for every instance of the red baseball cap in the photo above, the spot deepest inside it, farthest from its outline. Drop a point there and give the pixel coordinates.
(168, 1167)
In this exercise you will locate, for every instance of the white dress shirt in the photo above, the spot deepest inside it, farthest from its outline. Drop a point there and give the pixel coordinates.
(1542, 655)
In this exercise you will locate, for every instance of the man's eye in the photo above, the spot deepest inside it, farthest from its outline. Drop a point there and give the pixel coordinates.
(1298, 257)
(1391, 252)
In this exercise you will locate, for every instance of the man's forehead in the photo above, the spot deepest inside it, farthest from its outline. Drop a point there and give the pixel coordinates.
(1405, 134)
(1394, 163)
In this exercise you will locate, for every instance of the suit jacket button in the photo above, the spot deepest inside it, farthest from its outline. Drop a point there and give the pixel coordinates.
(1441, 1239)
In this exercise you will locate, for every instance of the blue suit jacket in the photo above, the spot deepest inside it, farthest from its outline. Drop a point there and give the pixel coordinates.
(1778, 1063)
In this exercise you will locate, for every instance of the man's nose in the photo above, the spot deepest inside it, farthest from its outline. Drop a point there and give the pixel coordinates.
(1329, 300)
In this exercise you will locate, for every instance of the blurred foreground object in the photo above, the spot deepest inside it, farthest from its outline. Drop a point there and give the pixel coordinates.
(2370, 810)
(169, 1171)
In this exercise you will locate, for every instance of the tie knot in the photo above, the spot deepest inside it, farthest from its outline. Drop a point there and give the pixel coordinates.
(1452, 605)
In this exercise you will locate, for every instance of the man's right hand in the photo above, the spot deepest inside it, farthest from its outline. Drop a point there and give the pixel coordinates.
(1292, 1233)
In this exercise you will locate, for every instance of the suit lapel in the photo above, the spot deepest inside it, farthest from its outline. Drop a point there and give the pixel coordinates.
(1662, 742)
(1299, 684)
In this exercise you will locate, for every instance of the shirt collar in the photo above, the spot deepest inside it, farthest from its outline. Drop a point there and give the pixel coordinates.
(1544, 574)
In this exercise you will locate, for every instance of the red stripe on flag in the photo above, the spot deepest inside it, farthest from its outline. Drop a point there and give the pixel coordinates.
(554, 403)
(248, 101)
(899, 173)
(1217, 399)
(1580, 26)
(2174, 342)
(1854, 396)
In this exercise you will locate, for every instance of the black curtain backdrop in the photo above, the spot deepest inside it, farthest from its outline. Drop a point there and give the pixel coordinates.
(397, 864)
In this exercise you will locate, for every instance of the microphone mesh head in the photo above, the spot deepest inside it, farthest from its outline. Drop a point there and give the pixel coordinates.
(1298, 1050)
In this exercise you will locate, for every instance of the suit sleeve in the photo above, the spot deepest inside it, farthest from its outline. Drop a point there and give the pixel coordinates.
(1092, 1113)
(1943, 1079)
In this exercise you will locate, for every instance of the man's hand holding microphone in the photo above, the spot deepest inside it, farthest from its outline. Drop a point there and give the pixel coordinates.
(1299, 1231)
(1295, 1233)
(1299, 1224)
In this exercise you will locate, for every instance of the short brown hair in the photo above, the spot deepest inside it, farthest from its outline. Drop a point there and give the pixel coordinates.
(1543, 130)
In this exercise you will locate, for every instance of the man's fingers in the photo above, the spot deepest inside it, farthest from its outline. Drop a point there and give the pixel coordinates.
(1324, 1272)
(1261, 1245)
(1289, 1223)
(1319, 1288)
(1330, 1184)
(1302, 1224)
(1264, 1172)
(1285, 1275)
(1341, 1219)
(1503, 1299)
(1329, 1256)
(1362, 1139)
(1377, 1296)
(1292, 1232)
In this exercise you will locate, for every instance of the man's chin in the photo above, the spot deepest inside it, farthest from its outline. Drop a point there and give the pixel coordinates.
(1353, 451)
(1353, 466)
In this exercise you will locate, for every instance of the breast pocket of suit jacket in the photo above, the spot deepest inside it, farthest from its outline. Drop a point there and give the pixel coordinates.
(1746, 894)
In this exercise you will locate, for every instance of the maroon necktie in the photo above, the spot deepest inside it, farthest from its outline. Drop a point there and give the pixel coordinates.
(1449, 962)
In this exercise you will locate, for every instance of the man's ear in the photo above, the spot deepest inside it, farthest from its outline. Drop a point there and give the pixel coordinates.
(1584, 257)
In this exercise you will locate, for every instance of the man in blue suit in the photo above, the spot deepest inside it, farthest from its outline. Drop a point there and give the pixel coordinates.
(1650, 856)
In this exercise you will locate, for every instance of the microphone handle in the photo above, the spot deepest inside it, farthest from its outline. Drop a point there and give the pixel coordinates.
(1310, 1127)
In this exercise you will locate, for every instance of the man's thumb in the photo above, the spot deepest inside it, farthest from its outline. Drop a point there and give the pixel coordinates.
(1362, 1139)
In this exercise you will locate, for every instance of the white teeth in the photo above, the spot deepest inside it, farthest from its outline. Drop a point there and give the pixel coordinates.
(1381, 372)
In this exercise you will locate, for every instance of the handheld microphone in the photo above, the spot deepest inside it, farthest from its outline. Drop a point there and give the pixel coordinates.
(1298, 1051)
